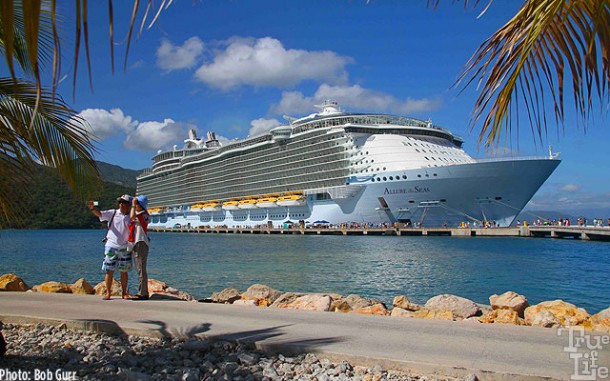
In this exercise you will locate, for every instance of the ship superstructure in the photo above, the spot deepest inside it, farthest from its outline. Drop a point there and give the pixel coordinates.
(338, 167)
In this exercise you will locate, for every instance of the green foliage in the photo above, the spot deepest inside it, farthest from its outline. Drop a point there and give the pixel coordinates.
(52, 205)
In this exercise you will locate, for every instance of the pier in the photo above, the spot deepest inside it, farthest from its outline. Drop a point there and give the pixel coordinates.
(561, 232)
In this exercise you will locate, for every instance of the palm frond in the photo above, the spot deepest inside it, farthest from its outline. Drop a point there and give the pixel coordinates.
(546, 42)
(52, 135)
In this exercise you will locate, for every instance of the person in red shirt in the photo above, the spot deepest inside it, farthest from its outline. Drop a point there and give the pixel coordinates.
(138, 237)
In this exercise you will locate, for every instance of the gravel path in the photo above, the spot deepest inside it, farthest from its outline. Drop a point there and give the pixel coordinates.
(56, 353)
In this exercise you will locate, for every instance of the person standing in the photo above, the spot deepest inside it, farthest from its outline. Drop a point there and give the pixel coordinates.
(116, 252)
(138, 237)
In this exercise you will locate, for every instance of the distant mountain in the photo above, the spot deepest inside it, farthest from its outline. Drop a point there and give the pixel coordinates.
(114, 174)
(52, 206)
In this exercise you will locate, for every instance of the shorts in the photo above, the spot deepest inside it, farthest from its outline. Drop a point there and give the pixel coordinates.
(117, 259)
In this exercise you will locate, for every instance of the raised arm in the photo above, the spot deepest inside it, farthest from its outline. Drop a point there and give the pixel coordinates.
(93, 209)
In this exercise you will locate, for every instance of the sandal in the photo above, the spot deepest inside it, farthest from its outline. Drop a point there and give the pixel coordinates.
(107, 297)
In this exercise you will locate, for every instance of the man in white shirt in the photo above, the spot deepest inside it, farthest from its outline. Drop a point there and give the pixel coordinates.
(117, 255)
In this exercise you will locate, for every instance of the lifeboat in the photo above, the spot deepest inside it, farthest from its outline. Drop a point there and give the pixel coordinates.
(266, 202)
(247, 204)
(211, 206)
(291, 200)
(230, 205)
(154, 211)
(196, 207)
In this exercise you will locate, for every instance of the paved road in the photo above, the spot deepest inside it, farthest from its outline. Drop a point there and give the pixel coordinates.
(430, 347)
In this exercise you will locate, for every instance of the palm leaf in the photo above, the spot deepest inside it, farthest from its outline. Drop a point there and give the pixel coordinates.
(530, 56)
(51, 135)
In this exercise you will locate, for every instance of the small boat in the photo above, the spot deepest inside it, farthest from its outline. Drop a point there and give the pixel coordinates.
(230, 205)
(196, 207)
(267, 202)
(247, 204)
(154, 211)
(291, 200)
(211, 206)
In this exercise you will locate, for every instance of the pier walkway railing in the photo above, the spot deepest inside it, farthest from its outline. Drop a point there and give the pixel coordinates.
(570, 232)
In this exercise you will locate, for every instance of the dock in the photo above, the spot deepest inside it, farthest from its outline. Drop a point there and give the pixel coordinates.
(564, 232)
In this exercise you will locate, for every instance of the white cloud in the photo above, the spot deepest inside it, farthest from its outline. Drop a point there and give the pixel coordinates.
(103, 123)
(570, 188)
(149, 136)
(353, 97)
(266, 62)
(261, 126)
(171, 57)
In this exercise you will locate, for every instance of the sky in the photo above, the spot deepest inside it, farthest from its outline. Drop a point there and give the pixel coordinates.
(236, 67)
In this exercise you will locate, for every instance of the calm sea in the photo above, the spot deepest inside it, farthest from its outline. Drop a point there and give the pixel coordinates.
(375, 267)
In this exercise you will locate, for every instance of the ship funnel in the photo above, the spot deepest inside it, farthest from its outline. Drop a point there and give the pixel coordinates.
(212, 142)
(192, 134)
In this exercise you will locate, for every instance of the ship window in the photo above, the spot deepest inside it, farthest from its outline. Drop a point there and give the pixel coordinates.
(418, 175)
(391, 177)
(384, 168)
(378, 179)
(404, 176)
(435, 174)
(498, 198)
(385, 179)
(426, 157)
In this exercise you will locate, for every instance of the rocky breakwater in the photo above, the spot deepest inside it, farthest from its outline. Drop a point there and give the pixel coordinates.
(507, 308)
(157, 289)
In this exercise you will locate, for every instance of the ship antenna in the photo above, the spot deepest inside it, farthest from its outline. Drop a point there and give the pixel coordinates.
(551, 154)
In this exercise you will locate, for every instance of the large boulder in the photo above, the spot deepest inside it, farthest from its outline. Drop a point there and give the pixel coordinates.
(510, 300)
(285, 299)
(100, 288)
(309, 302)
(264, 295)
(566, 314)
(375, 309)
(404, 303)
(83, 287)
(156, 286)
(434, 314)
(228, 295)
(53, 287)
(460, 307)
(601, 321)
(501, 316)
(11, 282)
(400, 312)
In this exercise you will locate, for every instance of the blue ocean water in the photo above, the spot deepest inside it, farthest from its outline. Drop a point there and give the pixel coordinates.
(372, 266)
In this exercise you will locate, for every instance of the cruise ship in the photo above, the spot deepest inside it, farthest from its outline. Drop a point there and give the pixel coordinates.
(334, 167)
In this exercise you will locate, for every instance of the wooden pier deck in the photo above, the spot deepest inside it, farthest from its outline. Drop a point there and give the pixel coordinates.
(570, 232)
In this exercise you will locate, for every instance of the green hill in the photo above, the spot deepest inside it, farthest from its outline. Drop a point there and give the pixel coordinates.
(52, 206)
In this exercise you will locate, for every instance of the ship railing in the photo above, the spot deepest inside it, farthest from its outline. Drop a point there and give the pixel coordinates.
(520, 158)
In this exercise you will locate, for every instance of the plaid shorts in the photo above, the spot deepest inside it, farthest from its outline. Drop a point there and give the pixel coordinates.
(117, 259)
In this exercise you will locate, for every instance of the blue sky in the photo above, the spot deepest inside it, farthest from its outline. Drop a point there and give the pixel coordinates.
(235, 67)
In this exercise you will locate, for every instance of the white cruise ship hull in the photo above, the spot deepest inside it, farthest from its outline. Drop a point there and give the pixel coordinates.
(492, 191)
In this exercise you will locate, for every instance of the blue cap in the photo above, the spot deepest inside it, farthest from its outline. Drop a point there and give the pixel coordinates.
(143, 201)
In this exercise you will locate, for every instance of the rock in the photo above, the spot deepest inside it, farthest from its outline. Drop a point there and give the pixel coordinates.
(376, 309)
(310, 302)
(357, 301)
(400, 312)
(502, 317)
(566, 314)
(404, 303)
(264, 295)
(228, 295)
(460, 307)
(471, 377)
(340, 306)
(509, 301)
(11, 282)
(156, 286)
(285, 299)
(605, 314)
(244, 302)
(100, 288)
(601, 321)
(81, 286)
(53, 287)
(541, 318)
(434, 314)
